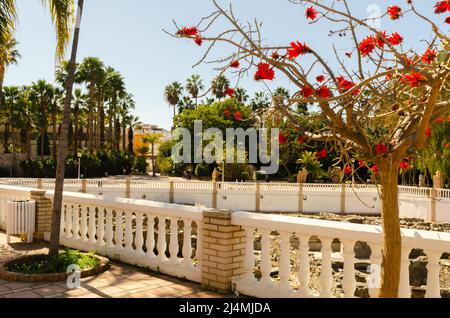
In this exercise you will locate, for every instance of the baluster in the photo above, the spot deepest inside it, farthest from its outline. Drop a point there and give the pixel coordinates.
(109, 230)
(162, 238)
(266, 260)
(139, 237)
(83, 229)
(129, 231)
(374, 280)
(101, 227)
(433, 268)
(92, 224)
(187, 243)
(76, 222)
(326, 274)
(69, 218)
(304, 266)
(404, 290)
(63, 220)
(150, 243)
(119, 231)
(199, 245)
(349, 281)
(249, 262)
(285, 263)
(173, 245)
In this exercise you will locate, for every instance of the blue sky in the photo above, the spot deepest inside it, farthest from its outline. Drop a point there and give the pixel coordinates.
(127, 35)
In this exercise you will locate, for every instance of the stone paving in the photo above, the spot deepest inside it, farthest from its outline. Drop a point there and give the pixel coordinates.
(121, 281)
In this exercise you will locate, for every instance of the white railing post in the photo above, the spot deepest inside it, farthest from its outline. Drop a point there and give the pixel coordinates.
(304, 266)
(349, 281)
(433, 268)
(84, 224)
(118, 235)
(76, 222)
(139, 236)
(266, 258)
(374, 280)
(285, 263)
(101, 227)
(109, 230)
(249, 262)
(326, 274)
(187, 243)
(404, 290)
(162, 245)
(173, 244)
(150, 240)
(92, 225)
(128, 238)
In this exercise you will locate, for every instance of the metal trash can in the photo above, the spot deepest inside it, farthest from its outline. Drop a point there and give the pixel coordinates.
(20, 219)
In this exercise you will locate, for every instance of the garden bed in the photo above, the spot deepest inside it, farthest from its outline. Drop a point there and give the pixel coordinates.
(39, 268)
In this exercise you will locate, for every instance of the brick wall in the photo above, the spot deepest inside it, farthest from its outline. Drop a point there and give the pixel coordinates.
(43, 215)
(223, 251)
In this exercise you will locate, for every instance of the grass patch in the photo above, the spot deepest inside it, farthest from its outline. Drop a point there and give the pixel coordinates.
(55, 264)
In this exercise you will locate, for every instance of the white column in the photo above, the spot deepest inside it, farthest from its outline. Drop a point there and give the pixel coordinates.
(69, 218)
(84, 225)
(249, 263)
(92, 227)
(109, 232)
(162, 245)
(76, 222)
(187, 243)
(173, 244)
(118, 237)
(101, 227)
(285, 263)
(266, 259)
(374, 280)
(433, 267)
(404, 290)
(128, 231)
(304, 275)
(199, 244)
(63, 220)
(326, 274)
(139, 236)
(150, 242)
(349, 281)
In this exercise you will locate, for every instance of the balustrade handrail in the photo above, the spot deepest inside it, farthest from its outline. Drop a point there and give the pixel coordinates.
(429, 240)
(167, 209)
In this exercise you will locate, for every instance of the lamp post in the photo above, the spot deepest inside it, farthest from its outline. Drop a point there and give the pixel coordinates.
(79, 165)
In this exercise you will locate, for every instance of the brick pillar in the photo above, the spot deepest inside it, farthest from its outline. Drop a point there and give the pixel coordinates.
(83, 186)
(258, 197)
(343, 189)
(43, 215)
(171, 192)
(223, 251)
(128, 188)
(214, 195)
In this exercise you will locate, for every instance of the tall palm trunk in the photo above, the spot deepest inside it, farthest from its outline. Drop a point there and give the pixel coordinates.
(5, 138)
(75, 130)
(111, 110)
(117, 133)
(2, 78)
(42, 145)
(101, 117)
(392, 241)
(90, 123)
(28, 142)
(62, 151)
(124, 134)
(54, 136)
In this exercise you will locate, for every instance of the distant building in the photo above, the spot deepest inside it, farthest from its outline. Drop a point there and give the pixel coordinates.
(139, 134)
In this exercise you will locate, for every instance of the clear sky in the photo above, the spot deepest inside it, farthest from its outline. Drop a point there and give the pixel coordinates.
(127, 35)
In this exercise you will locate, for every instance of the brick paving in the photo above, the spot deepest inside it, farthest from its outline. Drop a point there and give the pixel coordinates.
(121, 281)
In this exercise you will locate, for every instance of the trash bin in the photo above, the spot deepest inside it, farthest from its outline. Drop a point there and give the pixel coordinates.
(20, 219)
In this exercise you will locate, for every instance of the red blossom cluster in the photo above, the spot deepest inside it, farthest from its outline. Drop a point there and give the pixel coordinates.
(369, 43)
(235, 64)
(394, 12)
(320, 78)
(237, 116)
(346, 85)
(229, 92)
(191, 32)
(347, 170)
(429, 56)
(414, 79)
(307, 91)
(322, 154)
(404, 165)
(428, 132)
(381, 149)
(297, 49)
(282, 139)
(323, 92)
(442, 7)
(311, 13)
(302, 139)
(264, 72)
(374, 169)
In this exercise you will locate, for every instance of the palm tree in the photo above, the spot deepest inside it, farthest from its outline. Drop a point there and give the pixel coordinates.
(241, 94)
(78, 102)
(259, 102)
(91, 71)
(41, 95)
(126, 104)
(219, 87)
(61, 15)
(194, 85)
(172, 94)
(282, 92)
(54, 111)
(152, 139)
(9, 55)
(62, 151)
(115, 89)
(133, 123)
(12, 96)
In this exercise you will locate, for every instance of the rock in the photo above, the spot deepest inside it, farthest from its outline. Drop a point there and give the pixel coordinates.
(418, 271)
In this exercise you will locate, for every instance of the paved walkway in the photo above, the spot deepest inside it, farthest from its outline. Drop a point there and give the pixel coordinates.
(120, 281)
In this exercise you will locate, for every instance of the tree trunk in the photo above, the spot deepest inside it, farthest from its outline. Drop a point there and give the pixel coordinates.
(5, 138)
(75, 130)
(111, 109)
(101, 117)
(130, 140)
(43, 130)
(153, 160)
(117, 133)
(392, 241)
(54, 136)
(62, 151)
(2, 75)
(28, 142)
(124, 134)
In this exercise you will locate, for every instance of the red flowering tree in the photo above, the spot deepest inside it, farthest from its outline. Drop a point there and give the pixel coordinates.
(378, 112)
